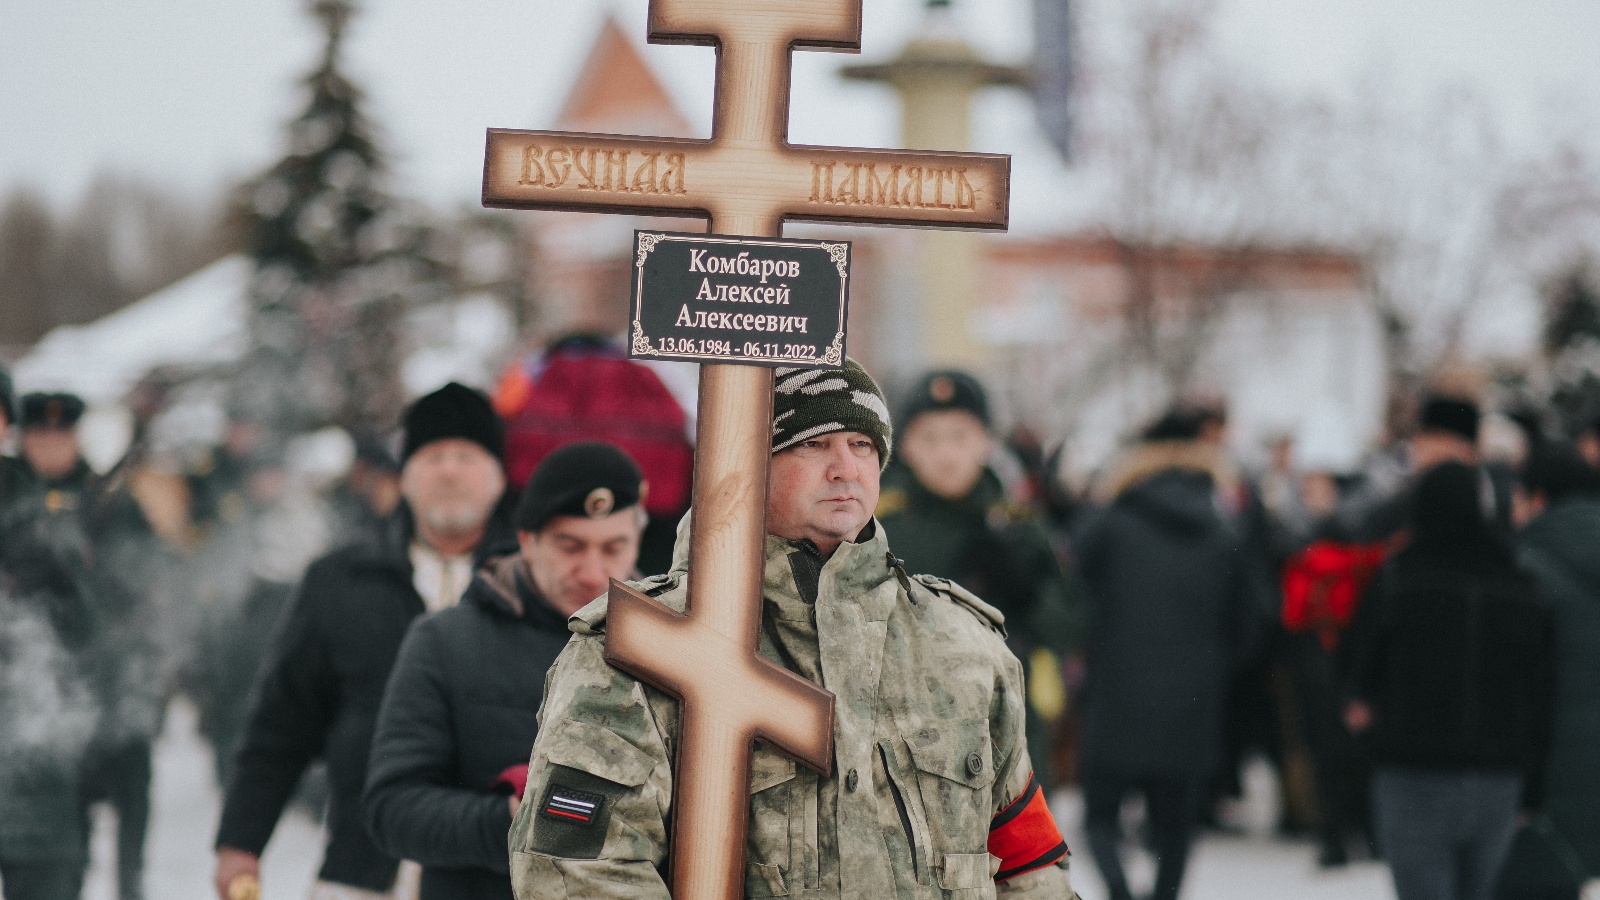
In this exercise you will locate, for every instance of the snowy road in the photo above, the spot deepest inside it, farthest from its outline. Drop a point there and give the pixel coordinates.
(185, 817)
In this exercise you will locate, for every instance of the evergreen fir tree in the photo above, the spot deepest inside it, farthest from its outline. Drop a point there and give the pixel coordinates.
(338, 265)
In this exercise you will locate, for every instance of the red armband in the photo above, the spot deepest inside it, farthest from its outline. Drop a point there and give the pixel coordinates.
(1024, 835)
(515, 778)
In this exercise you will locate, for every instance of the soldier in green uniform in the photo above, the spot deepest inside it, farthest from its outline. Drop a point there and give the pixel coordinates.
(932, 794)
(46, 625)
(95, 527)
(951, 517)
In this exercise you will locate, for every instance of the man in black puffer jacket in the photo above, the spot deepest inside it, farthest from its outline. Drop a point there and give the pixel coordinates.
(450, 757)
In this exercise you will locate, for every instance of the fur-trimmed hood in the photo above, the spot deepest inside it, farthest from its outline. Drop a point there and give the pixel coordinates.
(1151, 458)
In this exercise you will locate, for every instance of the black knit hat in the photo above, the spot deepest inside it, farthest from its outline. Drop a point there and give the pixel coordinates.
(808, 403)
(1451, 415)
(590, 478)
(1175, 424)
(944, 390)
(453, 411)
(60, 411)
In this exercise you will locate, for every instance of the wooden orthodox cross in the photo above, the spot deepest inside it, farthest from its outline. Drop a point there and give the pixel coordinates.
(747, 180)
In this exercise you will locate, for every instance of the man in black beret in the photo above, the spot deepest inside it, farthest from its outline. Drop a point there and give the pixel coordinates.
(449, 759)
(319, 692)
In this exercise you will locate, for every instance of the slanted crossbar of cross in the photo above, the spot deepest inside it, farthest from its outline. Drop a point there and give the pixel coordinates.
(747, 180)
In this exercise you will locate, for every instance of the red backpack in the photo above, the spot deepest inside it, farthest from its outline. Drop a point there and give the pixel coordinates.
(1322, 585)
(584, 389)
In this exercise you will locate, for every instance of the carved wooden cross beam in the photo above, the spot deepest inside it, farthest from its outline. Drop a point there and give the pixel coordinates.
(747, 180)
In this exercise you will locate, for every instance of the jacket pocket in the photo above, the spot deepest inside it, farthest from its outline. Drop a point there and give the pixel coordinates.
(966, 871)
(767, 840)
(903, 789)
(955, 771)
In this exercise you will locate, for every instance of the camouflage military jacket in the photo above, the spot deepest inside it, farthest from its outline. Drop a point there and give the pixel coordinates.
(928, 749)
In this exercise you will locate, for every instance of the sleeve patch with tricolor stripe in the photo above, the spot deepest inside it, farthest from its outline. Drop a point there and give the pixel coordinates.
(1024, 835)
(571, 805)
(574, 812)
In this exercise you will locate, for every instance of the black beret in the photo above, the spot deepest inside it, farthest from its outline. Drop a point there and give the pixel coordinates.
(51, 410)
(1451, 415)
(943, 390)
(453, 411)
(589, 478)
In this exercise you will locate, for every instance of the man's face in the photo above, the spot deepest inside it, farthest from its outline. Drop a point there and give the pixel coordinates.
(52, 452)
(573, 559)
(823, 489)
(452, 485)
(947, 450)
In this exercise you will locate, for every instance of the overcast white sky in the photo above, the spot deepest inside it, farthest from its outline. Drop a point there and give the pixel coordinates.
(195, 92)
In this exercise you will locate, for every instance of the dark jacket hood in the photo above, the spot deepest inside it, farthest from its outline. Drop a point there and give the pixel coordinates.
(1569, 532)
(1181, 501)
(1151, 458)
(504, 586)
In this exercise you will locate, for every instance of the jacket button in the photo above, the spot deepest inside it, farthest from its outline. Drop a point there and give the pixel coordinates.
(974, 763)
(852, 780)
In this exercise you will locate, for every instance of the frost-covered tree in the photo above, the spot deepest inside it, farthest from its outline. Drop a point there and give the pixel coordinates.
(339, 262)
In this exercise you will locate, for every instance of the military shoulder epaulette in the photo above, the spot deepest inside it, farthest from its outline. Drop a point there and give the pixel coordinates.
(592, 618)
(656, 585)
(985, 613)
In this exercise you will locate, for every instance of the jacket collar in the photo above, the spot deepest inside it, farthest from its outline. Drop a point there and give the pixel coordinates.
(854, 571)
(504, 585)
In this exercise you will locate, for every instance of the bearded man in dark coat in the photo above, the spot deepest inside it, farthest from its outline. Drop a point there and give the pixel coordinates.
(319, 693)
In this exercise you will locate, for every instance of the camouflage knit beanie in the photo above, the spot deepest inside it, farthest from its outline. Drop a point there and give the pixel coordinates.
(812, 402)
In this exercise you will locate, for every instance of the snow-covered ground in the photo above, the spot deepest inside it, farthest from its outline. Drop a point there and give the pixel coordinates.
(186, 805)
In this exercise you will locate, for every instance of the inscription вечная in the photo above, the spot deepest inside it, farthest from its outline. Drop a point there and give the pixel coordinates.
(596, 169)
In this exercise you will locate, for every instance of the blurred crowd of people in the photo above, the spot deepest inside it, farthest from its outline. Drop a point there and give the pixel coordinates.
(1414, 646)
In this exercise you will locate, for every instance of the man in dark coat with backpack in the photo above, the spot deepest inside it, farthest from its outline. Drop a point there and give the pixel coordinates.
(450, 757)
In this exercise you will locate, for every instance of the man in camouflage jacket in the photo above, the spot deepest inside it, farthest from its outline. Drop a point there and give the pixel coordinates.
(932, 793)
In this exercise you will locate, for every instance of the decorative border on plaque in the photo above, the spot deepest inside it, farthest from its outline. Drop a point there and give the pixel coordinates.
(835, 354)
(840, 254)
(647, 242)
(640, 343)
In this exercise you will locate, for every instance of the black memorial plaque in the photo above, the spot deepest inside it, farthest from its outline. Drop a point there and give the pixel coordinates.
(721, 299)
